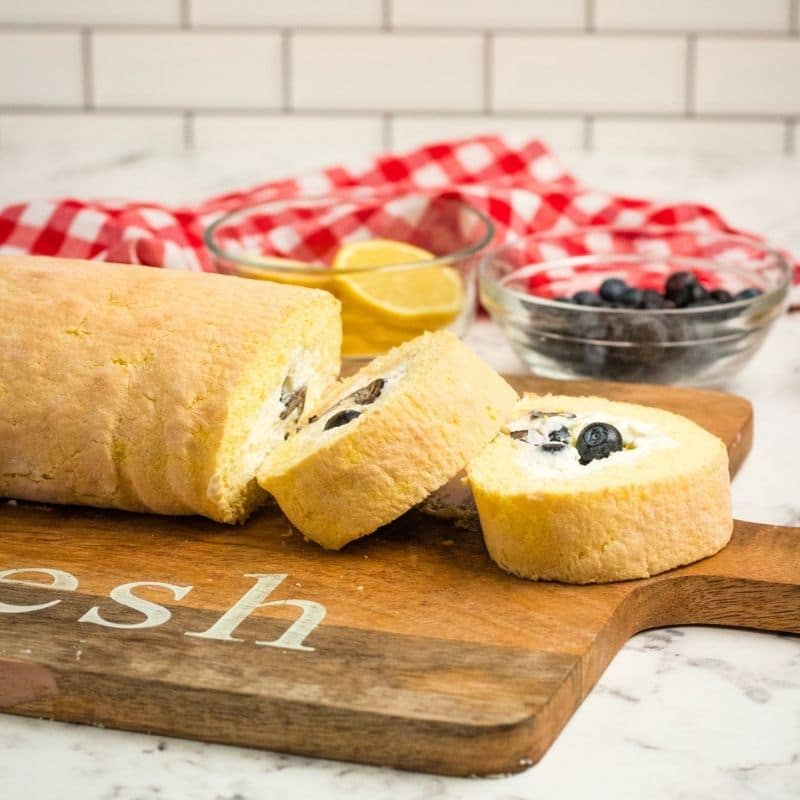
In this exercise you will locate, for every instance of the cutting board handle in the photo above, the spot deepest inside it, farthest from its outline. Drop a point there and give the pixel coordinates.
(752, 583)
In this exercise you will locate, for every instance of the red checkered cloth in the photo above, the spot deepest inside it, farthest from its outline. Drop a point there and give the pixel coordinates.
(523, 189)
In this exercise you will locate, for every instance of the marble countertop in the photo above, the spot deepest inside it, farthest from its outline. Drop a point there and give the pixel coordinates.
(680, 713)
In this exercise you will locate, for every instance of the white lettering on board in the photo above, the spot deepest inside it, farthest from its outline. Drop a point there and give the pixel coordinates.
(60, 580)
(155, 614)
(295, 634)
(292, 639)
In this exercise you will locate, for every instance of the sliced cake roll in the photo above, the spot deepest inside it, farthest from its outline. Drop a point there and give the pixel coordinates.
(153, 390)
(386, 437)
(584, 490)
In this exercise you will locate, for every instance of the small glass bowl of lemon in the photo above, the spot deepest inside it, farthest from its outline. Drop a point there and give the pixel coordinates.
(400, 267)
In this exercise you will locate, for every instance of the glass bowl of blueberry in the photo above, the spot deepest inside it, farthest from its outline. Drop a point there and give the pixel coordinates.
(680, 307)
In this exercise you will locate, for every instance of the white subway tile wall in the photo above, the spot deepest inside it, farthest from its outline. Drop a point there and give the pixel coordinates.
(589, 73)
(186, 70)
(753, 76)
(40, 69)
(90, 12)
(287, 13)
(310, 82)
(507, 14)
(386, 71)
(693, 15)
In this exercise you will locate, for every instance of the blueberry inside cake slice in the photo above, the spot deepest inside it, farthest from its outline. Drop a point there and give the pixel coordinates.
(584, 490)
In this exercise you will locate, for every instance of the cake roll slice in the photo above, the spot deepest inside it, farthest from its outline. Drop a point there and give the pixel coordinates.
(585, 490)
(153, 390)
(386, 437)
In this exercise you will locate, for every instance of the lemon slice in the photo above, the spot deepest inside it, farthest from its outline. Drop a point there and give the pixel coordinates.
(421, 298)
(291, 277)
(378, 253)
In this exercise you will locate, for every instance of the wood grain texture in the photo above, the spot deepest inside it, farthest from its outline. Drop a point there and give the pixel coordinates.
(429, 657)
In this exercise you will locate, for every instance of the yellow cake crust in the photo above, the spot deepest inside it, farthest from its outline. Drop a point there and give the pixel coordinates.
(131, 387)
(446, 406)
(618, 522)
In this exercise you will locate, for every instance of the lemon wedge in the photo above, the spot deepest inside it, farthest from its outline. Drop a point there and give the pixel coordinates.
(418, 298)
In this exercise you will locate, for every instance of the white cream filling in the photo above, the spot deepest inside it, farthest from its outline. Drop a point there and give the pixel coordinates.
(343, 402)
(267, 430)
(639, 439)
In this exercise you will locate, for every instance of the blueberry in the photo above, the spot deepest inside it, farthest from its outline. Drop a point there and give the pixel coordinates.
(559, 435)
(698, 293)
(585, 298)
(369, 393)
(611, 289)
(594, 358)
(293, 402)
(553, 447)
(342, 418)
(651, 299)
(617, 329)
(748, 294)
(721, 296)
(632, 298)
(680, 288)
(679, 280)
(648, 329)
(598, 440)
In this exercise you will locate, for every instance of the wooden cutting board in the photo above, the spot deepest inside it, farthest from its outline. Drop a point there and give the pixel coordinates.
(409, 649)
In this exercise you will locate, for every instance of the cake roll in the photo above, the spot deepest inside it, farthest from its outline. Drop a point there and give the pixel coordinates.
(153, 390)
(387, 437)
(585, 490)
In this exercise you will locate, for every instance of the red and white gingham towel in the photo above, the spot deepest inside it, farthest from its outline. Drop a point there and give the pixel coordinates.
(523, 189)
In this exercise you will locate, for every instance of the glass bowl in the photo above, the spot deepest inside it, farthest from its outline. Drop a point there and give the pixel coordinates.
(295, 240)
(702, 345)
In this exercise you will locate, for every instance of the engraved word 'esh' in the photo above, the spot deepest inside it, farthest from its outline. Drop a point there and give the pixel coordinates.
(154, 614)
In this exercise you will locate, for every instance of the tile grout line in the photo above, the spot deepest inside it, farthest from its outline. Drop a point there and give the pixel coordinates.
(573, 115)
(286, 70)
(386, 15)
(411, 30)
(488, 73)
(138, 29)
(87, 69)
(185, 18)
(691, 72)
(794, 17)
(589, 12)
